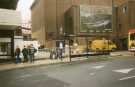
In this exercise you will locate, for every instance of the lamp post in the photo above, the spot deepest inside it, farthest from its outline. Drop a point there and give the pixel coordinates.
(87, 43)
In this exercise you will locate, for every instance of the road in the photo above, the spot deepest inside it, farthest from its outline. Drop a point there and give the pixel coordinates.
(116, 73)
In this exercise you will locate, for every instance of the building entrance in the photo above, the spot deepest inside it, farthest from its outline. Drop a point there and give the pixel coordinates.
(5, 46)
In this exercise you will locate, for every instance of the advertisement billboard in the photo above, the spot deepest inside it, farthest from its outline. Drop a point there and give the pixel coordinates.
(95, 19)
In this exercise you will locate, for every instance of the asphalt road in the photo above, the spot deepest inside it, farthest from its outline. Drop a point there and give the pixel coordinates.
(115, 73)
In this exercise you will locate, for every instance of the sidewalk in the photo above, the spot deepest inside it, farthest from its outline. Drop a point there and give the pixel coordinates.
(122, 53)
(36, 63)
(48, 61)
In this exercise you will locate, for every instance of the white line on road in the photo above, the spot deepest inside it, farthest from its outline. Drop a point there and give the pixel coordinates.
(126, 78)
(98, 67)
(26, 76)
(92, 74)
(125, 71)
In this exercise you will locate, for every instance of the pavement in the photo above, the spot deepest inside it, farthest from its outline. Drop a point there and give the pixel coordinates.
(122, 53)
(119, 72)
(11, 66)
(48, 61)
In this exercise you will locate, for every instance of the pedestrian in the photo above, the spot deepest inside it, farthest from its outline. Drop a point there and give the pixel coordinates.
(17, 55)
(52, 54)
(60, 50)
(31, 52)
(25, 54)
(60, 54)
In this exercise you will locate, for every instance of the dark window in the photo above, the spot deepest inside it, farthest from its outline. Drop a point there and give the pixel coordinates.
(132, 36)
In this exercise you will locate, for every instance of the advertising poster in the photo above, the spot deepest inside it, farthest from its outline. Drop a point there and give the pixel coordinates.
(95, 19)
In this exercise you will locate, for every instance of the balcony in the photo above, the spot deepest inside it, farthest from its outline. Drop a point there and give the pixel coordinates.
(9, 19)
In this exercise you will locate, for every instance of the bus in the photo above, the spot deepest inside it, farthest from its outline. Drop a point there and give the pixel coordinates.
(131, 40)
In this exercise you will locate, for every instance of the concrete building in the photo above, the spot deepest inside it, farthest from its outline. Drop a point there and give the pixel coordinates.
(10, 20)
(48, 22)
(8, 4)
(48, 17)
(125, 20)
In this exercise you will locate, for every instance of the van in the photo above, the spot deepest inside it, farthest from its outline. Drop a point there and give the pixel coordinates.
(102, 45)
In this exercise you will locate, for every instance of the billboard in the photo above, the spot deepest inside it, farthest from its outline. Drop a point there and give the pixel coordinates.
(95, 19)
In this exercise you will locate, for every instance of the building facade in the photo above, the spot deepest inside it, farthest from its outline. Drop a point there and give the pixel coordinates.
(9, 23)
(48, 17)
(125, 21)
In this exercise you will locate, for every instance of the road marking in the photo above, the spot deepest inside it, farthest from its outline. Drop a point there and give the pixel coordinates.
(92, 74)
(26, 76)
(98, 67)
(126, 78)
(125, 71)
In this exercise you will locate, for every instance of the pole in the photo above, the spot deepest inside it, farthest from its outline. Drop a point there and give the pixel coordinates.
(108, 45)
(70, 52)
(87, 46)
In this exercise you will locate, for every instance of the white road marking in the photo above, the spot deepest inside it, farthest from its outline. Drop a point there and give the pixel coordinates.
(26, 76)
(92, 74)
(125, 71)
(126, 78)
(98, 67)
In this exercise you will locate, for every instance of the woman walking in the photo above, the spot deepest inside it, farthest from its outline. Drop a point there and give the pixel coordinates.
(17, 55)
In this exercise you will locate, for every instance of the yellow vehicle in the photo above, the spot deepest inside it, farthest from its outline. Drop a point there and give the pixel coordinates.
(102, 45)
(131, 40)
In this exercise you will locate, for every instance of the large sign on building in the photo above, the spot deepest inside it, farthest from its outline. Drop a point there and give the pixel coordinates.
(95, 19)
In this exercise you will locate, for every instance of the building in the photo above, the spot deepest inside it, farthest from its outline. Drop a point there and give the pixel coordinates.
(125, 20)
(92, 21)
(8, 4)
(10, 21)
(48, 17)
(26, 31)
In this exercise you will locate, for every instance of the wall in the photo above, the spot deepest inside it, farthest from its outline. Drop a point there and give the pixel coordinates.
(10, 17)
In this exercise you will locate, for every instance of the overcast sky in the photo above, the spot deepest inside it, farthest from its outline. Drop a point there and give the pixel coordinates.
(24, 7)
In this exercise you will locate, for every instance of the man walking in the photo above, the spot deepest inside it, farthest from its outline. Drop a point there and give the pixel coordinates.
(31, 52)
(25, 54)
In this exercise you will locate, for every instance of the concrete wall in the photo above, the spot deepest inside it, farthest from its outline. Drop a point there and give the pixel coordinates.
(10, 17)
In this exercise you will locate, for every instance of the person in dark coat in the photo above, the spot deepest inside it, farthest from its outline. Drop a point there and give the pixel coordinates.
(31, 52)
(17, 55)
(25, 54)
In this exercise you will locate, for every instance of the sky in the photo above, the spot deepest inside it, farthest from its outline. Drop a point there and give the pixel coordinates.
(24, 8)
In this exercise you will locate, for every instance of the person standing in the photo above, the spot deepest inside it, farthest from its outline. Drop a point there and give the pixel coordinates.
(17, 55)
(31, 52)
(61, 46)
(25, 54)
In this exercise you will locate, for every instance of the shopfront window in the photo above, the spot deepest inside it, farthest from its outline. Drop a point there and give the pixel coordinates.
(5, 46)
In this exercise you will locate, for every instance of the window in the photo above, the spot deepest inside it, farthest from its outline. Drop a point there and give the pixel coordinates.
(132, 36)
(5, 48)
(124, 9)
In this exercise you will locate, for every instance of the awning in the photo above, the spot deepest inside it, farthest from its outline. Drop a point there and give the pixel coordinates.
(8, 27)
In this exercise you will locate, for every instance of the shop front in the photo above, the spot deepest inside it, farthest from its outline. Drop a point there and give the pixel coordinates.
(6, 44)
